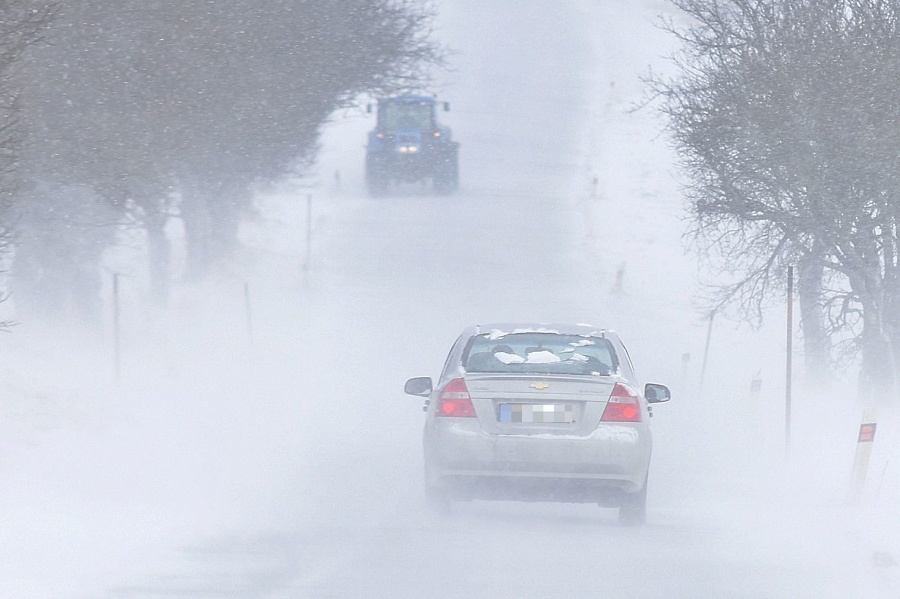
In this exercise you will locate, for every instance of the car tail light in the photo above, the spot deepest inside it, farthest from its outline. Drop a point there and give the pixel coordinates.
(455, 400)
(624, 405)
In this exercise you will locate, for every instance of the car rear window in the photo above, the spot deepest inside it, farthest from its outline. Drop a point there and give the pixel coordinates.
(539, 353)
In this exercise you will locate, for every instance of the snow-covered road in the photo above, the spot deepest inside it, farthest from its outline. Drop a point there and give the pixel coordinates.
(290, 466)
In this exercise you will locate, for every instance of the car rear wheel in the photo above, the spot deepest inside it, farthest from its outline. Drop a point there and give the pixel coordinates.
(633, 509)
(437, 496)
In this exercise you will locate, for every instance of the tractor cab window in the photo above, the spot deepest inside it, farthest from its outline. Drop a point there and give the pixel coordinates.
(407, 115)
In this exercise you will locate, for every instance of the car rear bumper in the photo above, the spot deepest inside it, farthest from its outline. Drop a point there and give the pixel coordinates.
(467, 487)
(613, 459)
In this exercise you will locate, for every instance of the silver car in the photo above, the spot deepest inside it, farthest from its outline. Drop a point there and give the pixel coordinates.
(538, 413)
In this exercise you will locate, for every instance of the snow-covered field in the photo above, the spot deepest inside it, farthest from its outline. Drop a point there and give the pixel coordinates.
(279, 458)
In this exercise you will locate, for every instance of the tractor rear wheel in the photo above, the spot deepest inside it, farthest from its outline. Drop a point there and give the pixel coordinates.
(377, 180)
(446, 176)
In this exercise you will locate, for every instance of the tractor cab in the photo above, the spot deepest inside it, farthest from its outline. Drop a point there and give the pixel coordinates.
(409, 145)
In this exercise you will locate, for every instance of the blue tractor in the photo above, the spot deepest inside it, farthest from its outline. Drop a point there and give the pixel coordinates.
(408, 145)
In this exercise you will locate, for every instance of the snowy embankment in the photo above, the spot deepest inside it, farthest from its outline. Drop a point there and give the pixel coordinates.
(272, 458)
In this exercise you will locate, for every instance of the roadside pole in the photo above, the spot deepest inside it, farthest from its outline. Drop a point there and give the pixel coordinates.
(117, 356)
(249, 313)
(308, 232)
(712, 316)
(788, 360)
(755, 408)
(864, 443)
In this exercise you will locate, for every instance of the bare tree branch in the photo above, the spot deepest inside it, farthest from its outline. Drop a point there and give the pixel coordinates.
(784, 115)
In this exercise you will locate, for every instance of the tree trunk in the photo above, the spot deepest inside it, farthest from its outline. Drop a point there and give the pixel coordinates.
(160, 257)
(211, 220)
(225, 219)
(816, 353)
(197, 229)
(877, 378)
(892, 307)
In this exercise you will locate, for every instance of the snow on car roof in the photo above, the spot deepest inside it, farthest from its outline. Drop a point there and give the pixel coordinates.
(497, 330)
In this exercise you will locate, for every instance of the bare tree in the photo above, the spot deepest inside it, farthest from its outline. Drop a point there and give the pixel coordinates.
(269, 73)
(785, 116)
(21, 25)
(169, 108)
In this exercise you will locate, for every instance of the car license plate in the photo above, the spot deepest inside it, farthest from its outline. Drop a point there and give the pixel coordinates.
(536, 413)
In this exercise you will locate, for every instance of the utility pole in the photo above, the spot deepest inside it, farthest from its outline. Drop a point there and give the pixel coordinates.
(117, 347)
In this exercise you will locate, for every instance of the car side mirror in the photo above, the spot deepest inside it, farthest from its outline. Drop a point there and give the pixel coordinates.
(656, 393)
(421, 386)
(446, 106)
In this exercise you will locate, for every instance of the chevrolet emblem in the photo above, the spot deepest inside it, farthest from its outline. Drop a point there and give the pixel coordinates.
(539, 386)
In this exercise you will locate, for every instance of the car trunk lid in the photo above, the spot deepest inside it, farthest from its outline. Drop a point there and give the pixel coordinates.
(532, 405)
